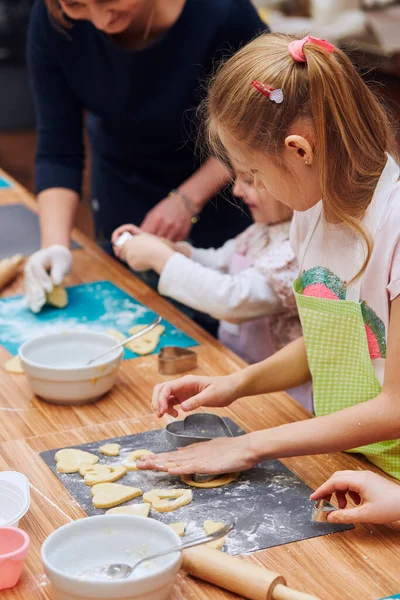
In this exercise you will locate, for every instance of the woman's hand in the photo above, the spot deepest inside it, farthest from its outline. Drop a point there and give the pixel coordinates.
(144, 252)
(377, 499)
(170, 218)
(191, 392)
(43, 270)
(221, 455)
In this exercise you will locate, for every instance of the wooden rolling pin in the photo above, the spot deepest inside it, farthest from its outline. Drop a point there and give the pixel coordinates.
(9, 269)
(238, 576)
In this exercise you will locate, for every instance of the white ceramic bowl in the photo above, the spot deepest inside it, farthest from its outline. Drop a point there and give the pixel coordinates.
(14, 498)
(55, 366)
(107, 539)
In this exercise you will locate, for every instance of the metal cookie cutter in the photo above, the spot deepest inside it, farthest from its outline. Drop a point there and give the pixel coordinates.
(321, 511)
(201, 427)
(172, 360)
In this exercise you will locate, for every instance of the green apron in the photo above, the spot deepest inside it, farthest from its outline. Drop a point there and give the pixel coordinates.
(335, 337)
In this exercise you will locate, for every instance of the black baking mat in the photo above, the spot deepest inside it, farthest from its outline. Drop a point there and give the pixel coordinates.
(19, 231)
(269, 505)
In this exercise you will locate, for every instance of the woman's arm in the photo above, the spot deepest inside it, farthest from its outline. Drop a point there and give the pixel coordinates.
(172, 217)
(57, 209)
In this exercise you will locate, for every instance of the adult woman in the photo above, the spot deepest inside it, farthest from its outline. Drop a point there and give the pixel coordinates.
(136, 67)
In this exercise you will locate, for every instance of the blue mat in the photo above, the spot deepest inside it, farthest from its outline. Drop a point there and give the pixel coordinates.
(96, 306)
(4, 183)
(392, 597)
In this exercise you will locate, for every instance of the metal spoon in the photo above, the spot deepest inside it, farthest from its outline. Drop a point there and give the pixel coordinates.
(136, 335)
(121, 570)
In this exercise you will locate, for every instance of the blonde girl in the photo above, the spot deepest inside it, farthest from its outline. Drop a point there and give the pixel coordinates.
(297, 116)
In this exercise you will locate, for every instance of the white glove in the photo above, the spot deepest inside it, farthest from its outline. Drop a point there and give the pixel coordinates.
(45, 269)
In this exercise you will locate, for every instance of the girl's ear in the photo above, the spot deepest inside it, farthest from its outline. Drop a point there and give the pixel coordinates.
(299, 149)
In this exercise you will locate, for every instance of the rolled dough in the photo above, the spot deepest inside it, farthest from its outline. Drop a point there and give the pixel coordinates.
(211, 527)
(70, 460)
(130, 461)
(13, 365)
(110, 449)
(103, 474)
(138, 510)
(168, 500)
(58, 297)
(107, 495)
(179, 528)
(214, 483)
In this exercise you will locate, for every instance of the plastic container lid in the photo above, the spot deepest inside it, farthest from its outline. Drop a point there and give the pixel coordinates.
(14, 498)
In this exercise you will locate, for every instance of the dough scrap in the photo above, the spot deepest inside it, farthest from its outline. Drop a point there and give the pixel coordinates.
(211, 527)
(13, 365)
(139, 510)
(58, 297)
(103, 474)
(107, 495)
(179, 528)
(130, 461)
(70, 460)
(214, 483)
(110, 449)
(148, 342)
(117, 335)
(159, 499)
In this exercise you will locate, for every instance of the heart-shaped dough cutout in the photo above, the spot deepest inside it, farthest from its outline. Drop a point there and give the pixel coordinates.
(130, 461)
(148, 342)
(13, 365)
(117, 335)
(103, 474)
(214, 483)
(70, 460)
(179, 528)
(168, 500)
(107, 495)
(138, 510)
(211, 527)
(110, 449)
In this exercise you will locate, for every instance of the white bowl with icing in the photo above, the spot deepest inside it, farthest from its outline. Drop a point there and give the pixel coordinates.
(107, 539)
(56, 366)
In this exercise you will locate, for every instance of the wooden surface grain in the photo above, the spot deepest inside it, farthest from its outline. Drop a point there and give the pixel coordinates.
(362, 564)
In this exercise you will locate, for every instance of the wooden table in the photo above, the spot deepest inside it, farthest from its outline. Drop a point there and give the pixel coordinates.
(362, 564)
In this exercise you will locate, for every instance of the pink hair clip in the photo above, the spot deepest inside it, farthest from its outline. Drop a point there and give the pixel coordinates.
(275, 95)
(296, 48)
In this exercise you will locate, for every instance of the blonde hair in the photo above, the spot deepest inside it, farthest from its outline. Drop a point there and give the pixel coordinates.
(352, 129)
(57, 15)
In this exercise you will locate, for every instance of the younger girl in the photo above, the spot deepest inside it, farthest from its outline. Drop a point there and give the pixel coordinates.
(297, 116)
(247, 283)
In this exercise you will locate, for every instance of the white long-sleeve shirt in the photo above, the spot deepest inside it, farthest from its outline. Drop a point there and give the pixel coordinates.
(205, 281)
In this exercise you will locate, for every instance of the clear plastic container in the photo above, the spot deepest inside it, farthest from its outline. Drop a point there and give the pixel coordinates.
(14, 498)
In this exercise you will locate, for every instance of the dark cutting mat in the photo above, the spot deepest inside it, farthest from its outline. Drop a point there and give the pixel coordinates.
(269, 505)
(19, 231)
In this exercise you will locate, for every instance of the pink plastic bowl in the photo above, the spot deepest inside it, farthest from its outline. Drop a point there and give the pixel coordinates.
(14, 546)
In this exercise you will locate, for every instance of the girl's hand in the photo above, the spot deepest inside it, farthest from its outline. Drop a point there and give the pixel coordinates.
(129, 227)
(377, 499)
(191, 392)
(222, 455)
(144, 252)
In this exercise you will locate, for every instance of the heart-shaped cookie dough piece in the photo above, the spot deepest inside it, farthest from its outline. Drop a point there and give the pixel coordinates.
(110, 449)
(179, 528)
(107, 495)
(117, 335)
(138, 510)
(168, 500)
(103, 474)
(13, 365)
(130, 461)
(148, 342)
(70, 460)
(211, 527)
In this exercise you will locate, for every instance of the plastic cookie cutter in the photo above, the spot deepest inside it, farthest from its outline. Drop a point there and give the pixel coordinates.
(321, 510)
(201, 427)
(173, 360)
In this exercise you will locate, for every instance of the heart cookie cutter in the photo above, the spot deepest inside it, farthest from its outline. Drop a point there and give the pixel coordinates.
(322, 509)
(173, 360)
(201, 427)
